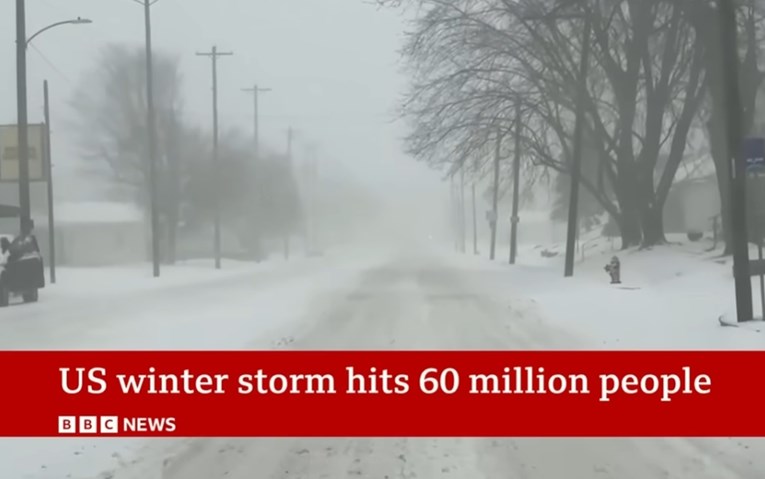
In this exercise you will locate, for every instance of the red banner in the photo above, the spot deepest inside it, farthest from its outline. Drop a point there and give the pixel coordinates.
(376, 394)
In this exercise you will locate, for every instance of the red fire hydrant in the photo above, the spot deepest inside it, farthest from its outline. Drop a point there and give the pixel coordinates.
(614, 270)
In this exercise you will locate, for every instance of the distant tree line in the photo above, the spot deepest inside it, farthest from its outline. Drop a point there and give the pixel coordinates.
(258, 196)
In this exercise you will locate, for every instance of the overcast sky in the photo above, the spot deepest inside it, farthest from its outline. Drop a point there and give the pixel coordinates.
(333, 66)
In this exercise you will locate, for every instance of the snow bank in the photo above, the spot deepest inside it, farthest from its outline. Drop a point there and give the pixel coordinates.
(682, 289)
(671, 297)
(96, 212)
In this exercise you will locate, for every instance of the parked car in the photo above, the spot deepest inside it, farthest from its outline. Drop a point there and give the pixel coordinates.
(22, 271)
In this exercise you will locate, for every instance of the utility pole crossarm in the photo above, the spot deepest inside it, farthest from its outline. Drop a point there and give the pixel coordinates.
(214, 53)
(256, 89)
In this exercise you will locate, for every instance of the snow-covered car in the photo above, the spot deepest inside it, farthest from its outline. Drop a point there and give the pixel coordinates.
(21, 269)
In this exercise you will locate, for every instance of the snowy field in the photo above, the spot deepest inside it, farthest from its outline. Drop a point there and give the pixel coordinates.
(404, 298)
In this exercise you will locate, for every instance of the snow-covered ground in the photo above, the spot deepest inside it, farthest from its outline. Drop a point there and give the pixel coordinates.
(671, 296)
(190, 306)
(401, 298)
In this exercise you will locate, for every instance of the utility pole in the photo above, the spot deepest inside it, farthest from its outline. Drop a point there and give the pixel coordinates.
(516, 185)
(255, 90)
(495, 197)
(22, 120)
(576, 166)
(290, 136)
(453, 211)
(49, 176)
(214, 54)
(475, 224)
(312, 203)
(463, 222)
(734, 136)
(151, 137)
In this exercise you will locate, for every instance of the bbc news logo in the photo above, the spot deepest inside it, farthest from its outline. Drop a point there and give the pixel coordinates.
(113, 424)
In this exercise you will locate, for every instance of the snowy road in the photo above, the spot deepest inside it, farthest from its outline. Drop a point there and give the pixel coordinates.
(402, 302)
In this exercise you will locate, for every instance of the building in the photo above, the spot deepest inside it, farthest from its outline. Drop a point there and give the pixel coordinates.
(96, 234)
(87, 233)
(692, 205)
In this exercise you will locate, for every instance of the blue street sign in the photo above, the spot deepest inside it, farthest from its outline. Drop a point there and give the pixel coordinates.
(754, 154)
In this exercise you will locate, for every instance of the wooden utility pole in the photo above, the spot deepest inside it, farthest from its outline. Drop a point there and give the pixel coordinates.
(475, 224)
(214, 54)
(495, 197)
(737, 173)
(49, 178)
(516, 185)
(151, 130)
(255, 90)
(290, 137)
(463, 222)
(455, 212)
(22, 121)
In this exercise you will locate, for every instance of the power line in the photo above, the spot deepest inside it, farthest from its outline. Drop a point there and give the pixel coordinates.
(51, 64)
(54, 6)
(179, 7)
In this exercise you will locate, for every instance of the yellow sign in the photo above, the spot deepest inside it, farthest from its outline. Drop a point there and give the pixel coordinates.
(9, 153)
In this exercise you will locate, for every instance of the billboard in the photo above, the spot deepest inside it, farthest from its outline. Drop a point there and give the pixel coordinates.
(9, 156)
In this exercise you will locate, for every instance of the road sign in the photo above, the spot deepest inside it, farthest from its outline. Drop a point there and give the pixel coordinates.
(754, 154)
(9, 156)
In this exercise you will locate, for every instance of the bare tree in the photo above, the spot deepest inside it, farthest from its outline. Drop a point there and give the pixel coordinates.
(471, 62)
(259, 195)
(704, 18)
(110, 104)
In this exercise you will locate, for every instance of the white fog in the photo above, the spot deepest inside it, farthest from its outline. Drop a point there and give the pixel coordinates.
(362, 177)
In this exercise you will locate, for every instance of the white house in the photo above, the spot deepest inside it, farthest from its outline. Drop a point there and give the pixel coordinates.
(95, 234)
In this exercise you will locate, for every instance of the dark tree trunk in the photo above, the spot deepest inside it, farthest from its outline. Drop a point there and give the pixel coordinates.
(626, 192)
(629, 226)
(653, 226)
(172, 235)
(707, 29)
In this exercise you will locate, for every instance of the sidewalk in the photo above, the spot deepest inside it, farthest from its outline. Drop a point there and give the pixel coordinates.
(671, 298)
(128, 279)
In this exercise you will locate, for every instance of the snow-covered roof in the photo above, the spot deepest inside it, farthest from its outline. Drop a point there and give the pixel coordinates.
(97, 212)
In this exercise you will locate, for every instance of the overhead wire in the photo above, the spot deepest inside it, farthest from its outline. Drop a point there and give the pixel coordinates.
(51, 64)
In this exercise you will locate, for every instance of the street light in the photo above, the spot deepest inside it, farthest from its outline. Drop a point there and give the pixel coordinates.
(22, 43)
(76, 21)
(576, 163)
